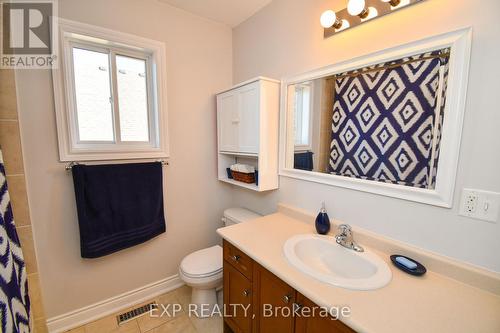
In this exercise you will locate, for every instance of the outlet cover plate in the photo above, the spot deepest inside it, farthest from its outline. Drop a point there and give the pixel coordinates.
(481, 205)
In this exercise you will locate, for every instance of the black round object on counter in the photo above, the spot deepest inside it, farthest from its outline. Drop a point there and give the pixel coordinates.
(417, 271)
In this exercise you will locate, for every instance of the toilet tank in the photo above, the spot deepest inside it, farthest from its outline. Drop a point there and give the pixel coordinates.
(238, 215)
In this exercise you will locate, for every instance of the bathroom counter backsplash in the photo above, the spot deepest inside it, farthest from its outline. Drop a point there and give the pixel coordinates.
(427, 301)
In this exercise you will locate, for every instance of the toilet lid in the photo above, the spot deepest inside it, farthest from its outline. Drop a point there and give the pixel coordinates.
(204, 262)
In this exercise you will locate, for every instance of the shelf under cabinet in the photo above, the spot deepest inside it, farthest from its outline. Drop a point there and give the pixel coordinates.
(239, 154)
(242, 184)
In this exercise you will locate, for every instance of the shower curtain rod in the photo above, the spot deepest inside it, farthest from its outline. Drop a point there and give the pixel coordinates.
(444, 54)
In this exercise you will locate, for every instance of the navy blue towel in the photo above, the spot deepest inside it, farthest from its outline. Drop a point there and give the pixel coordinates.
(303, 161)
(119, 206)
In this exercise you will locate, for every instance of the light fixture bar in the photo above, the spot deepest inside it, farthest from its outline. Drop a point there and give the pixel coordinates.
(372, 9)
(393, 3)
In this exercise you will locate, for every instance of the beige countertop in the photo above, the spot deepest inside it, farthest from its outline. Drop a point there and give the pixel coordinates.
(431, 303)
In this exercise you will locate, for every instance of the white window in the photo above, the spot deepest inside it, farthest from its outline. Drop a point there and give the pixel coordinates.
(109, 91)
(303, 121)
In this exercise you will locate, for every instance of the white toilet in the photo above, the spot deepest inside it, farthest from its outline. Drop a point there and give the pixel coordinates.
(202, 270)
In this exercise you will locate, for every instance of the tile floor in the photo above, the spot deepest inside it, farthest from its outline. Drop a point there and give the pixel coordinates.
(181, 323)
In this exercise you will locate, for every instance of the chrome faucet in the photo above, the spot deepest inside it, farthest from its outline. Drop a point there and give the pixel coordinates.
(345, 238)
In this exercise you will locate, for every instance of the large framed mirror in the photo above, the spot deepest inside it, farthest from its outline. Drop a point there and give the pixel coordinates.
(388, 123)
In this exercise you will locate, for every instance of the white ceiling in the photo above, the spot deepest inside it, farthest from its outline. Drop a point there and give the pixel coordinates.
(229, 12)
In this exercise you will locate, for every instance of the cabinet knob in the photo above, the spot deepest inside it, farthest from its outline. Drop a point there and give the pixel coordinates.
(287, 298)
(246, 292)
(236, 257)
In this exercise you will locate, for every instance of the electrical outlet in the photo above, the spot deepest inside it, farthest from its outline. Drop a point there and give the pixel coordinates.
(482, 205)
(470, 202)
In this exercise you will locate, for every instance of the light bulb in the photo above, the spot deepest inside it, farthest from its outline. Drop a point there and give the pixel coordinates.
(357, 8)
(329, 19)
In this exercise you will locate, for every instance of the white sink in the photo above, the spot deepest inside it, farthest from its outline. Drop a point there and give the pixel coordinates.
(322, 258)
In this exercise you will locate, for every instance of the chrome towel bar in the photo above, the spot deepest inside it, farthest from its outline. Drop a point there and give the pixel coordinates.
(70, 165)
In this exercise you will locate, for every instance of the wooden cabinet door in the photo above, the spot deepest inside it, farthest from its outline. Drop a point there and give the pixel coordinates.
(227, 121)
(238, 259)
(316, 324)
(237, 298)
(248, 118)
(273, 303)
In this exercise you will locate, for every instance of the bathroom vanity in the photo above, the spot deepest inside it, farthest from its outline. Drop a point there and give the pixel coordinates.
(450, 297)
(251, 285)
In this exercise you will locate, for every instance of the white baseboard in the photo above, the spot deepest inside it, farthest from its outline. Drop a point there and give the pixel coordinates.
(112, 305)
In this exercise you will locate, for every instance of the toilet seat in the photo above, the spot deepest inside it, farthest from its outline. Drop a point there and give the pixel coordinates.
(201, 275)
(208, 282)
(203, 264)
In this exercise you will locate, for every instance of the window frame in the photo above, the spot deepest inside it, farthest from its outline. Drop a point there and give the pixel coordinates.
(459, 43)
(71, 148)
(308, 146)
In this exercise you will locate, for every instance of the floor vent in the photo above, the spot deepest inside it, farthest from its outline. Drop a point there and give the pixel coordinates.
(134, 313)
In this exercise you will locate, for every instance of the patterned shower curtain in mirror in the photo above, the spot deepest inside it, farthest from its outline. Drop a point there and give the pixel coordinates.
(14, 299)
(387, 120)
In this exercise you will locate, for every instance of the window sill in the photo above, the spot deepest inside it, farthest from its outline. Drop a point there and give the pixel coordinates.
(109, 156)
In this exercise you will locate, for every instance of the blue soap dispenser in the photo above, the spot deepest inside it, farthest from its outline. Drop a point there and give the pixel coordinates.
(322, 221)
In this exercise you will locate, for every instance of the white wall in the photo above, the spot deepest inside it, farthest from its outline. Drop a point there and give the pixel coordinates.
(285, 38)
(198, 65)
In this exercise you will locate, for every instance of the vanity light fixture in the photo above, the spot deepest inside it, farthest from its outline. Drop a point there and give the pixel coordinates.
(329, 19)
(359, 12)
(393, 3)
(358, 8)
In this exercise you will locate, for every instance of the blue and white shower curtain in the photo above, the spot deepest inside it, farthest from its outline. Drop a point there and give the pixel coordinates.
(14, 299)
(387, 120)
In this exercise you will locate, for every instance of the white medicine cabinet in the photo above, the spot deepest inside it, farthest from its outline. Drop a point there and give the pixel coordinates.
(247, 131)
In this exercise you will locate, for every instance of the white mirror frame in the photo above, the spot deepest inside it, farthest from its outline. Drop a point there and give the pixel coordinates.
(460, 43)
